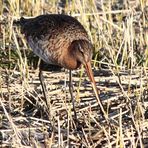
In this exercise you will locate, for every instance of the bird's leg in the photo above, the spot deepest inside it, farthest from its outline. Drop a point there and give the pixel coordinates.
(43, 84)
(71, 94)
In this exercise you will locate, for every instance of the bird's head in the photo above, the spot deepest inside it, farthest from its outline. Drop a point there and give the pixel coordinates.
(82, 51)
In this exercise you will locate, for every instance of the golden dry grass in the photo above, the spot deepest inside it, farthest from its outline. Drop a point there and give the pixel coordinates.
(119, 32)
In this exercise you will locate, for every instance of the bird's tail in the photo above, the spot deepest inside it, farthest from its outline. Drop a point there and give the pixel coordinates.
(19, 22)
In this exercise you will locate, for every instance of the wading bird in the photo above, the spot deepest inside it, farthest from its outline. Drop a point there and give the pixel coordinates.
(60, 40)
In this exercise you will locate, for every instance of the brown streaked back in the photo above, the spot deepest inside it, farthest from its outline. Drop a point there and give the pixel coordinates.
(50, 35)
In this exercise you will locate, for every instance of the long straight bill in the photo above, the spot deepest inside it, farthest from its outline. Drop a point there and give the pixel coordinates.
(91, 77)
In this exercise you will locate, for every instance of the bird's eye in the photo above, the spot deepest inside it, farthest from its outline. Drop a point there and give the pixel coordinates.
(80, 49)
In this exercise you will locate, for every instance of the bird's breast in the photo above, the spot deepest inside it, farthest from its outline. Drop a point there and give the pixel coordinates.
(69, 62)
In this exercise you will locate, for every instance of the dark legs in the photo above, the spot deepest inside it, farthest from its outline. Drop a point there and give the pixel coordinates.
(41, 78)
(43, 85)
(71, 94)
(45, 92)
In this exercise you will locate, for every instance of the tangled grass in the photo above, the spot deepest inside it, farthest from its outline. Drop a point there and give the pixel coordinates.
(119, 32)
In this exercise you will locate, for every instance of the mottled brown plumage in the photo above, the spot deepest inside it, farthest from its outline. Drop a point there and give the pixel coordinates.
(56, 39)
(60, 40)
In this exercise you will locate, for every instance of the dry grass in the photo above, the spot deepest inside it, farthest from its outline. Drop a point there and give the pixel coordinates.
(119, 32)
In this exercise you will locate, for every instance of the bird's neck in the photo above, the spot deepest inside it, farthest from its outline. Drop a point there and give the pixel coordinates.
(70, 62)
